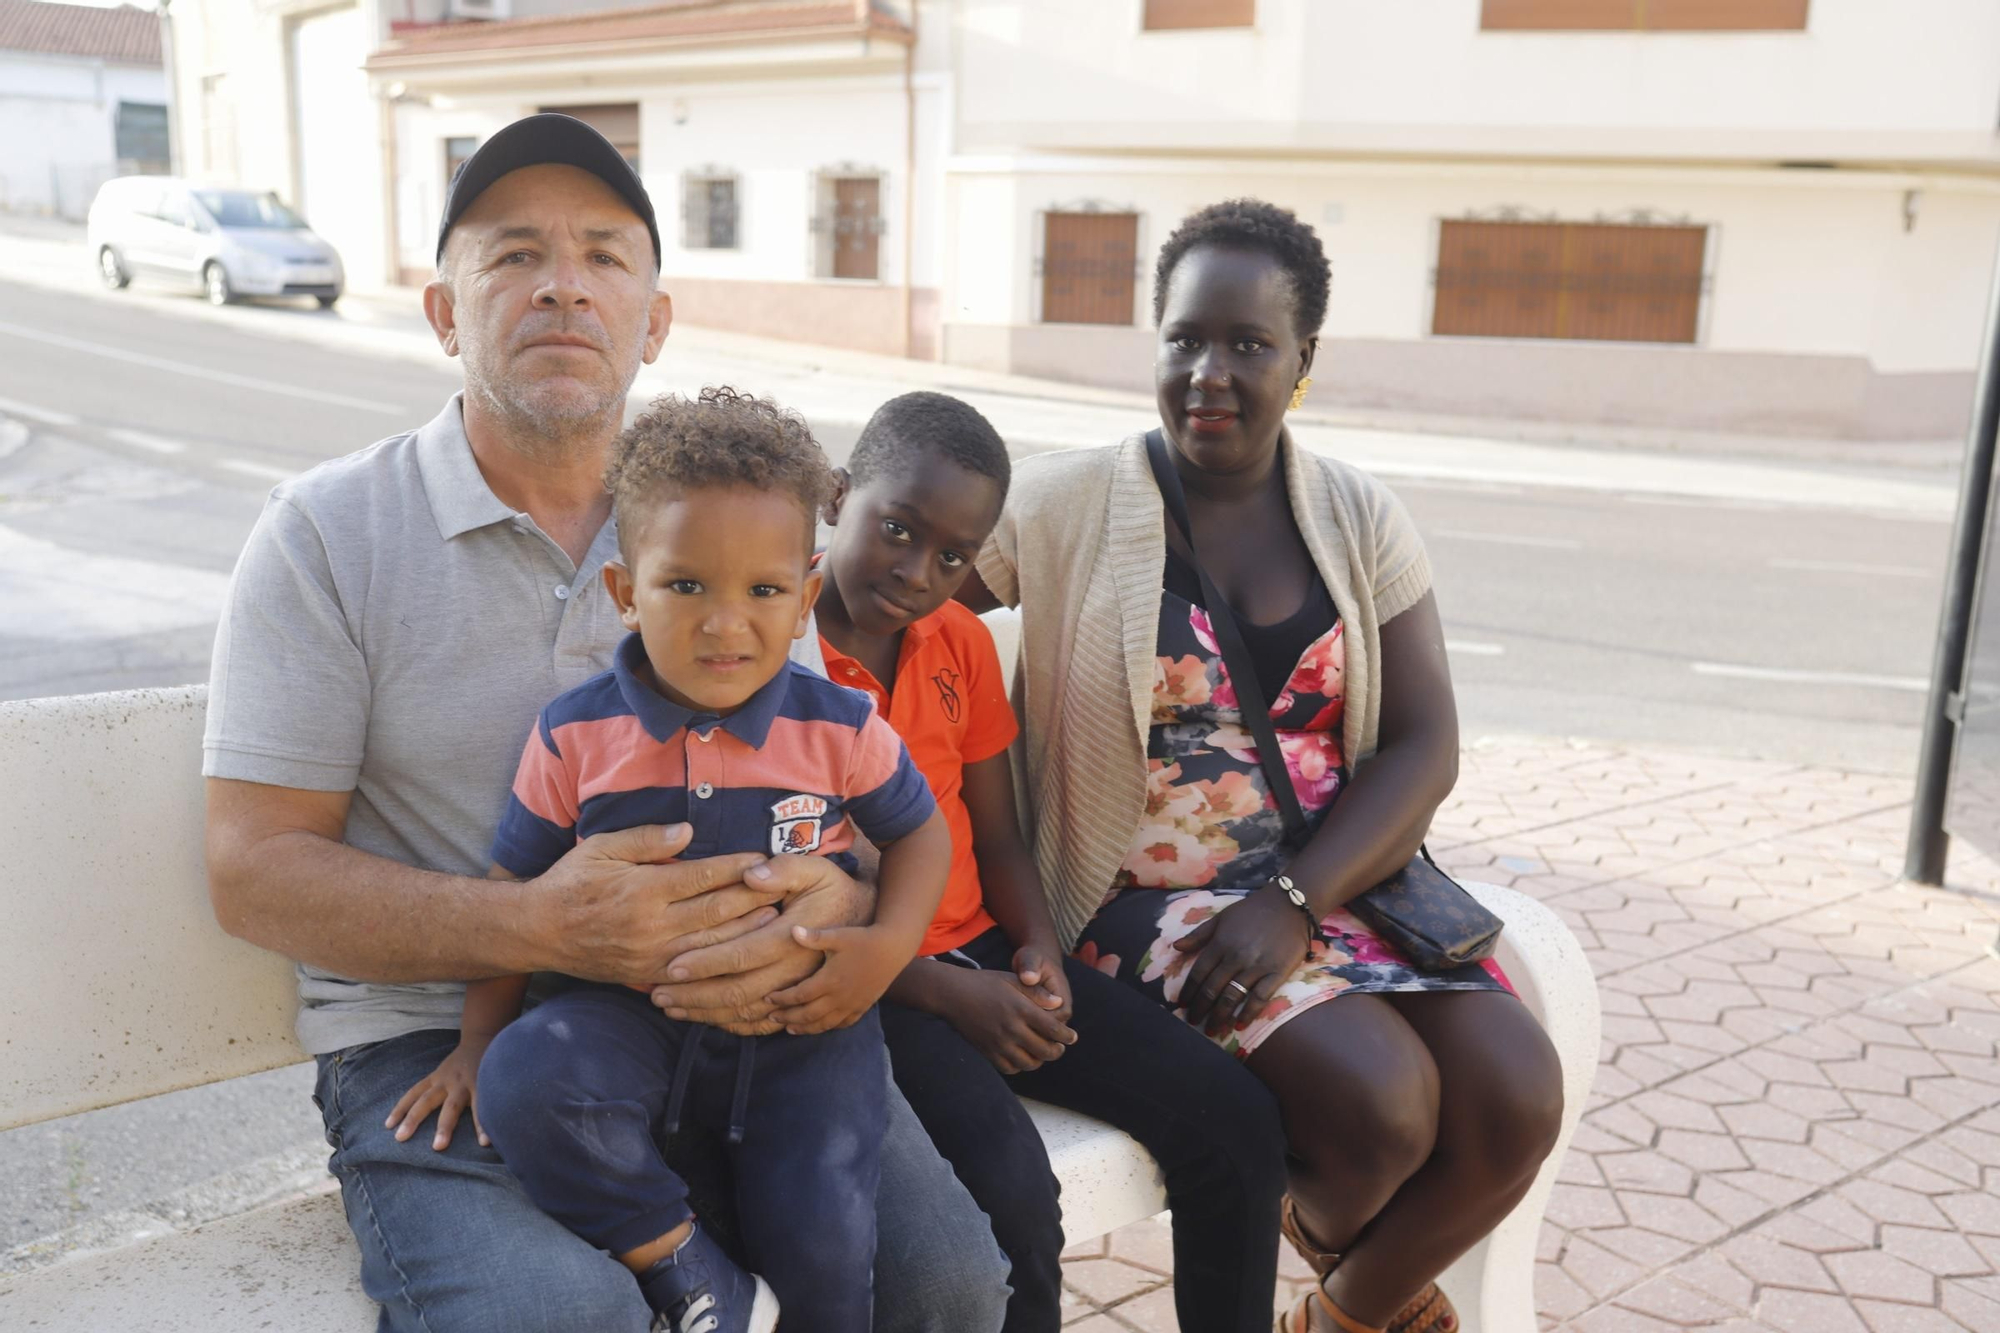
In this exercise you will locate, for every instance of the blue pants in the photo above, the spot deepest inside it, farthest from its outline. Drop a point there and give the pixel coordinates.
(579, 1093)
(450, 1243)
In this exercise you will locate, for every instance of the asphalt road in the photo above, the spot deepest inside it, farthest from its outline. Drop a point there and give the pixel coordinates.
(157, 426)
(146, 429)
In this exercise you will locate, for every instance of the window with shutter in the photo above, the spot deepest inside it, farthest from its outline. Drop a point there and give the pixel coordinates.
(139, 130)
(1164, 15)
(708, 211)
(1643, 15)
(1089, 267)
(857, 227)
(1601, 281)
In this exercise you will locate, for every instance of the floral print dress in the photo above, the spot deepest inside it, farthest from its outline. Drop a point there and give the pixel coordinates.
(1211, 832)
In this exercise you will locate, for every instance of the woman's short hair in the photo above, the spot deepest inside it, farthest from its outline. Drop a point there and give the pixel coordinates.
(1253, 224)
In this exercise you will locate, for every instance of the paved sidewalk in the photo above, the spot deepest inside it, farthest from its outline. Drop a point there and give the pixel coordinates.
(1794, 1125)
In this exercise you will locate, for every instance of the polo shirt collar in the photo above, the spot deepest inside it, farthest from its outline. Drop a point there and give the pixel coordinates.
(459, 497)
(662, 717)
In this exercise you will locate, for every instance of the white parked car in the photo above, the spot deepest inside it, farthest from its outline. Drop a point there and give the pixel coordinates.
(227, 242)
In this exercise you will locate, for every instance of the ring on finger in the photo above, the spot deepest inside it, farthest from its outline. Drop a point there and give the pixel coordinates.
(1242, 991)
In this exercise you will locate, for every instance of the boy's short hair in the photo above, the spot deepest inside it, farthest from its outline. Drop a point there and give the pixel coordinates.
(928, 423)
(722, 438)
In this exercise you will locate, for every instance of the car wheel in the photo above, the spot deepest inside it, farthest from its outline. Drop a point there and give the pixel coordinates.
(215, 283)
(326, 302)
(111, 269)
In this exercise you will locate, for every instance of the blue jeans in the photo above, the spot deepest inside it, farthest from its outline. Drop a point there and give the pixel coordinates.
(580, 1093)
(450, 1242)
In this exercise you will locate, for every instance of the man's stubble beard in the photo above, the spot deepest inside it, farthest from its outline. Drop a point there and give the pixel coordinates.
(545, 421)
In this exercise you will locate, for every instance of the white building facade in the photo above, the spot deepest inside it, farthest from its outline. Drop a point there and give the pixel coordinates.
(1725, 215)
(83, 98)
(779, 141)
(794, 152)
(1730, 215)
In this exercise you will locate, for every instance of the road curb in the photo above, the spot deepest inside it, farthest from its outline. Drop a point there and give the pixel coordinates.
(294, 1172)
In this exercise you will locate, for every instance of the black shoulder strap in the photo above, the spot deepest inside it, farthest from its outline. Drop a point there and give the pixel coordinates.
(1235, 653)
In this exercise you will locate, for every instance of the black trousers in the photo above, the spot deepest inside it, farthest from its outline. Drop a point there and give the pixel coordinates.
(1211, 1124)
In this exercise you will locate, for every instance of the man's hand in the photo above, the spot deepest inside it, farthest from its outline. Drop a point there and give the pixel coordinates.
(618, 907)
(1008, 1022)
(728, 983)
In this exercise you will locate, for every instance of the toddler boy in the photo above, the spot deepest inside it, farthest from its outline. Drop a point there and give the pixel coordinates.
(704, 721)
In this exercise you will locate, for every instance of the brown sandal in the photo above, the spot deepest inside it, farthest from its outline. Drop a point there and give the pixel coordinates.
(1431, 1311)
(1299, 1320)
(1320, 1261)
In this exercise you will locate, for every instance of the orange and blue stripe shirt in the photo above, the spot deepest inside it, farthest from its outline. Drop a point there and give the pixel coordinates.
(797, 768)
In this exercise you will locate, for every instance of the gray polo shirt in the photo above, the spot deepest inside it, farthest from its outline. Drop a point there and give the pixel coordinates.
(392, 630)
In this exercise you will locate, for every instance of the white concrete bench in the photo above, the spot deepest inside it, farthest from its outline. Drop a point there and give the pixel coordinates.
(119, 985)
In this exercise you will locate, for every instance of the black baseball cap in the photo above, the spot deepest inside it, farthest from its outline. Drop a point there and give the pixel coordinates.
(533, 140)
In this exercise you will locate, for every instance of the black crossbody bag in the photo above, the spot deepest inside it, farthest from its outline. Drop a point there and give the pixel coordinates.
(1419, 911)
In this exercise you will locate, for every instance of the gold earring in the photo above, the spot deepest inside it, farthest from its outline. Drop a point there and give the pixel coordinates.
(1299, 392)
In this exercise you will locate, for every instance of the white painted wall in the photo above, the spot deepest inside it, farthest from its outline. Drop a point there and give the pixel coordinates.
(339, 177)
(58, 127)
(1814, 263)
(421, 131)
(776, 137)
(1050, 72)
(774, 134)
(1860, 65)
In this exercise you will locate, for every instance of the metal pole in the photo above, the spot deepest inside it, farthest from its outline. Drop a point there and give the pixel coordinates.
(1925, 857)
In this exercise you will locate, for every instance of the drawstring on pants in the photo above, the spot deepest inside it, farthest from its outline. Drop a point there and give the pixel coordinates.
(683, 1068)
(739, 1103)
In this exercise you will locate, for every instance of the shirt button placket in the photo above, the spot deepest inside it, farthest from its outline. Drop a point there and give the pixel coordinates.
(701, 791)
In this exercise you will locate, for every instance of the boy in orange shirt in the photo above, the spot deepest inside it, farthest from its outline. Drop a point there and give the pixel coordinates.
(992, 1007)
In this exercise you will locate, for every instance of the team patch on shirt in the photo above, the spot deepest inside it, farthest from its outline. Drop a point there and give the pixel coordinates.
(796, 825)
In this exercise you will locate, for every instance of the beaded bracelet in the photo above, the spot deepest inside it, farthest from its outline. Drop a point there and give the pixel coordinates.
(1297, 898)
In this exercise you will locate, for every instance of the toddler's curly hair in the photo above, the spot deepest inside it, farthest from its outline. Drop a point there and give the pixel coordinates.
(721, 438)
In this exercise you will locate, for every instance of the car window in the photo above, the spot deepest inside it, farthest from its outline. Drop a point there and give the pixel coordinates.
(173, 208)
(244, 208)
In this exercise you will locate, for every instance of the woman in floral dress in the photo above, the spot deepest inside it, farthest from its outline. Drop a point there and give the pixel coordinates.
(1417, 1106)
(1211, 833)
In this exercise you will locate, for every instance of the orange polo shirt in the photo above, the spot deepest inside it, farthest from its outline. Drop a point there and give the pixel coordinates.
(950, 707)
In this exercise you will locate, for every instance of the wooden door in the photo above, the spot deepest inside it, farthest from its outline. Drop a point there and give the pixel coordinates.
(857, 227)
(1088, 267)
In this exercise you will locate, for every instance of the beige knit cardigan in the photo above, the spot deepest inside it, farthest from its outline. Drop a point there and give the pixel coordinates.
(1081, 550)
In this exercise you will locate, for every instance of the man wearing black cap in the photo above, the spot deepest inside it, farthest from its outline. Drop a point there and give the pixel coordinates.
(395, 622)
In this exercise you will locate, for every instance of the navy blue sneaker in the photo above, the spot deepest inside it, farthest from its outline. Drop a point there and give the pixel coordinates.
(699, 1289)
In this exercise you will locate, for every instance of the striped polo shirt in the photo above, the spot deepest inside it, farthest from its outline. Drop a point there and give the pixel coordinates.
(797, 768)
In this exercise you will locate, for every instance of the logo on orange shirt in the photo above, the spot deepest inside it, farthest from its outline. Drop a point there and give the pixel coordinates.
(796, 825)
(946, 681)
